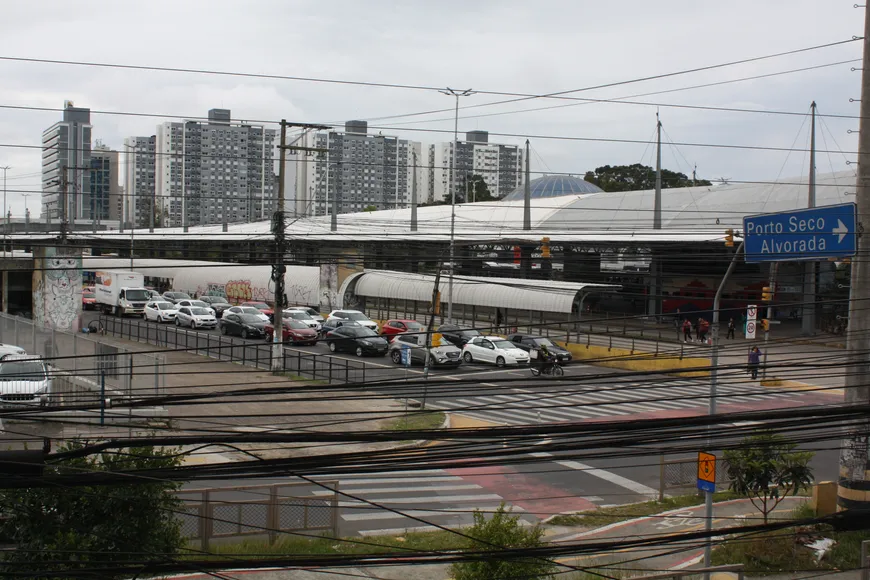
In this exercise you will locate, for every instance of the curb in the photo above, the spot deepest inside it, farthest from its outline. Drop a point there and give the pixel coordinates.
(776, 383)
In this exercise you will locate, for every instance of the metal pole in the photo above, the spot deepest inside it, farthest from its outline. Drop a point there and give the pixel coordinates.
(657, 203)
(714, 363)
(184, 222)
(278, 271)
(6, 229)
(339, 179)
(102, 397)
(808, 320)
(414, 192)
(435, 304)
(854, 462)
(773, 270)
(527, 195)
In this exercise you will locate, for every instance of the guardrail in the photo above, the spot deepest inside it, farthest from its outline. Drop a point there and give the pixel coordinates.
(303, 364)
(208, 517)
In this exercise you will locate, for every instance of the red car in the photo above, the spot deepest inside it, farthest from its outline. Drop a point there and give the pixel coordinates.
(89, 299)
(262, 307)
(397, 326)
(294, 331)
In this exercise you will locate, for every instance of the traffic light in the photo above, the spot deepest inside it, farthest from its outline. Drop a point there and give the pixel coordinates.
(765, 325)
(766, 294)
(436, 308)
(545, 247)
(729, 238)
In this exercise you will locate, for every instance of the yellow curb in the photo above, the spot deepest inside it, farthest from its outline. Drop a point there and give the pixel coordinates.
(464, 422)
(799, 386)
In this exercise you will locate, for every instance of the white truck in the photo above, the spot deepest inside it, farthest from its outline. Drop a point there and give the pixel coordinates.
(121, 292)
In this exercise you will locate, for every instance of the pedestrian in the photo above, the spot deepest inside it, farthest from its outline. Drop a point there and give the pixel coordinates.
(731, 327)
(703, 328)
(754, 361)
(687, 330)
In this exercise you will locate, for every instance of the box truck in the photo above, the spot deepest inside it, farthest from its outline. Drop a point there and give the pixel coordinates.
(121, 292)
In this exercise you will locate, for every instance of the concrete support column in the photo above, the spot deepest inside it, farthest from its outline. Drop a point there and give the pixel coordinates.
(57, 288)
(5, 290)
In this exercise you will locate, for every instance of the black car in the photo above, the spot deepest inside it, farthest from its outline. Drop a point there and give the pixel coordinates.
(217, 303)
(456, 335)
(175, 297)
(356, 339)
(244, 325)
(332, 323)
(528, 343)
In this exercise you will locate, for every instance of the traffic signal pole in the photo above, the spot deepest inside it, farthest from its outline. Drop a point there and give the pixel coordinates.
(773, 268)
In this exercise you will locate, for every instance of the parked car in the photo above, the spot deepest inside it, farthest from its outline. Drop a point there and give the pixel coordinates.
(246, 310)
(195, 317)
(397, 326)
(333, 323)
(357, 339)
(175, 296)
(442, 355)
(294, 331)
(155, 295)
(10, 349)
(89, 300)
(529, 343)
(196, 304)
(456, 335)
(494, 349)
(356, 316)
(262, 307)
(244, 325)
(304, 317)
(313, 312)
(217, 303)
(160, 311)
(24, 380)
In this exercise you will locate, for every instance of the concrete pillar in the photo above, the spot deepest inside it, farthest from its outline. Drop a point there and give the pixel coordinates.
(5, 291)
(57, 288)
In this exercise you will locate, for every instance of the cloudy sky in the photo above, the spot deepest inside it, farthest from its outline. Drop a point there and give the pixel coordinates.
(507, 46)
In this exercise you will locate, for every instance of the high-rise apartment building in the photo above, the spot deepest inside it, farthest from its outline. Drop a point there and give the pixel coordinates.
(213, 172)
(104, 188)
(140, 181)
(500, 166)
(66, 166)
(359, 171)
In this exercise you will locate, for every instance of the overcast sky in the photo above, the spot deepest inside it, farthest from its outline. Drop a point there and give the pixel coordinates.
(488, 45)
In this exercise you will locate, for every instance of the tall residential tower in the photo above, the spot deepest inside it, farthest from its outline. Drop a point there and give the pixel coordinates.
(66, 165)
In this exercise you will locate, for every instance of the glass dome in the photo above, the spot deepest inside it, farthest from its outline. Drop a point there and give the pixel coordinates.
(554, 186)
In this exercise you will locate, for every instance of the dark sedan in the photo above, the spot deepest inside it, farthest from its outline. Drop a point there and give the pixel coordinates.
(216, 303)
(244, 325)
(356, 339)
(529, 343)
(456, 335)
(175, 297)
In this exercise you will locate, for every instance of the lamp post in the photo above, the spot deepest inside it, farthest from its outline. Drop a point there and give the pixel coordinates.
(5, 212)
(456, 95)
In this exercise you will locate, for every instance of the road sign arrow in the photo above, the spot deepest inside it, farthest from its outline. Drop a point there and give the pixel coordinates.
(841, 229)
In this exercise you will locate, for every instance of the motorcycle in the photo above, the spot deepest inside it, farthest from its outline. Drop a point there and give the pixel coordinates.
(551, 369)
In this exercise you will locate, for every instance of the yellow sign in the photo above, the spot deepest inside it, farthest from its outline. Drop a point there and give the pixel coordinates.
(707, 467)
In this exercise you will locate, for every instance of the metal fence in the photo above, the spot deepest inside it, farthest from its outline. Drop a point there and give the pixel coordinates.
(682, 474)
(83, 366)
(215, 514)
(303, 364)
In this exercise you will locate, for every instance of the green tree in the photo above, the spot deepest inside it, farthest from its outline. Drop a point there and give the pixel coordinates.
(64, 529)
(767, 468)
(502, 531)
(370, 208)
(637, 177)
(475, 189)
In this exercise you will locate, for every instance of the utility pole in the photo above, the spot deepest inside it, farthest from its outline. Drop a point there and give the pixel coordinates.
(853, 491)
(808, 320)
(452, 182)
(64, 184)
(527, 195)
(333, 222)
(414, 192)
(278, 225)
(6, 229)
(655, 266)
(436, 306)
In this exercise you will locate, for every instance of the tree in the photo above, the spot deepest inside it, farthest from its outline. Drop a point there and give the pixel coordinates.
(502, 531)
(370, 208)
(64, 529)
(475, 189)
(767, 468)
(637, 177)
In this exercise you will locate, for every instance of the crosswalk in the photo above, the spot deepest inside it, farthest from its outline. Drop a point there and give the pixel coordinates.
(433, 495)
(514, 406)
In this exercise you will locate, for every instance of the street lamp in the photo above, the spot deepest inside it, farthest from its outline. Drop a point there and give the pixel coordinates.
(5, 214)
(456, 94)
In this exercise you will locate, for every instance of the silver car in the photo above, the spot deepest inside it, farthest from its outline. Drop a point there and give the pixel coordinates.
(195, 317)
(24, 380)
(443, 355)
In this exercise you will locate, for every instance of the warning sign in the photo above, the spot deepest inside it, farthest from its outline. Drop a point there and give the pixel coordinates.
(750, 329)
(752, 312)
(706, 471)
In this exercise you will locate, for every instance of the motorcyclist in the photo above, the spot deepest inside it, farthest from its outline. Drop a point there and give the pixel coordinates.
(545, 359)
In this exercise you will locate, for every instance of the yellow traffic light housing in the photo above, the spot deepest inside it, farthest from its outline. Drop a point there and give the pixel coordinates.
(766, 294)
(729, 237)
(765, 325)
(545, 247)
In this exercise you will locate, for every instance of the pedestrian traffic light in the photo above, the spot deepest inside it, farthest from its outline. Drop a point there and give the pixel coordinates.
(729, 238)
(766, 295)
(765, 325)
(545, 247)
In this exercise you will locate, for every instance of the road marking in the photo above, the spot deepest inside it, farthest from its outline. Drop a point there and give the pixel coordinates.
(399, 480)
(422, 513)
(424, 499)
(365, 491)
(403, 531)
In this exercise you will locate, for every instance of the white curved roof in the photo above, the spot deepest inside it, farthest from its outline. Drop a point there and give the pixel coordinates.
(510, 293)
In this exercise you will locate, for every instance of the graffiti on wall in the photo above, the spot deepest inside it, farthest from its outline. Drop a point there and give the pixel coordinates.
(57, 294)
(236, 291)
(329, 286)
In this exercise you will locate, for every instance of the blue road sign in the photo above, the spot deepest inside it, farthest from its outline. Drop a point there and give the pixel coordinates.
(707, 486)
(406, 355)
(803, 234)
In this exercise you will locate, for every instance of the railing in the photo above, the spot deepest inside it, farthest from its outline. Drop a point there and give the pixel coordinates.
(682, 474)
(302, 364)
(211, 514)
(85, 369)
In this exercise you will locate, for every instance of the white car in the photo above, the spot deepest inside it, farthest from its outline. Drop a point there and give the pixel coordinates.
(195, 304)
(313, 312)
(160, 311)
(356, 316)
(195, 317)
(24, 380)
(248, 310)
(10, 349)
(494, 349)
(304, 317)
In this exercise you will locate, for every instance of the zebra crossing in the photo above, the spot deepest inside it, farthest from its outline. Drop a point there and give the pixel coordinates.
(517, 406)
